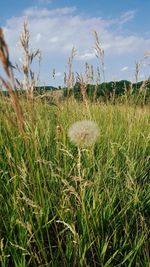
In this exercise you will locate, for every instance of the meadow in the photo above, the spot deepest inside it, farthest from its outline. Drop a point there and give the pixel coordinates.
(62, 204)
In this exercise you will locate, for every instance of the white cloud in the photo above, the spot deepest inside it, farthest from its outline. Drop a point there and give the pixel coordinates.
(86, 55)
(56, 31)
(124, 68)
(128, 44)
(127, 16)
(35, 12)
(122, 19)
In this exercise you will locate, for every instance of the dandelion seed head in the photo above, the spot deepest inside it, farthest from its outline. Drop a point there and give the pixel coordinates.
(83, 133)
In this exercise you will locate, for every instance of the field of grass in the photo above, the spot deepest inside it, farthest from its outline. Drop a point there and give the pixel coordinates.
(58, 209)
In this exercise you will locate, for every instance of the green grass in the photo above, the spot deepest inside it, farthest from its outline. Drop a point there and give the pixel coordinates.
(51, 217)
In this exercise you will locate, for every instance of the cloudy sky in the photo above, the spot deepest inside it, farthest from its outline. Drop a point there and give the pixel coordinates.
(56, 26)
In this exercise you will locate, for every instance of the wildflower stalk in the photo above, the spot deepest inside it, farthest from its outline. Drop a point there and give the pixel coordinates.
(79, 164)
(83, 134)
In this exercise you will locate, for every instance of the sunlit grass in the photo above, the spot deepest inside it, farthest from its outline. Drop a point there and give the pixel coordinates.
(54, 215)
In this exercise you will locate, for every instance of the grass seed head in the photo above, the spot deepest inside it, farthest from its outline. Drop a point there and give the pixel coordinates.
(83, 133)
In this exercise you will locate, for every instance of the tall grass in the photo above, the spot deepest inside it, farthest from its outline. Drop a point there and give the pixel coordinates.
(51, 218)
(61, 206)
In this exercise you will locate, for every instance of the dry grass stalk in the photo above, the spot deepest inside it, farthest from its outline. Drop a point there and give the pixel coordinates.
(99, 53)
(72, 79)
(89, 77)
(98, 80)
(114, 92)
(65, 79)
(143, 90)
(87, 73)
(131, 89)
(83, 85)
(10, 84)
(39, 66)
(83, 90)
(137, 70)
(92, 73)
(128, 92)
(29, 78)
(70, 76)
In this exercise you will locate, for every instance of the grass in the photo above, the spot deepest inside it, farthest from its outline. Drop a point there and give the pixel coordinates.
(65, 206)
(52, 217)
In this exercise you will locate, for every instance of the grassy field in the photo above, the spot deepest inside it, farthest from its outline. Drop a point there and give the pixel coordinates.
(59, 207)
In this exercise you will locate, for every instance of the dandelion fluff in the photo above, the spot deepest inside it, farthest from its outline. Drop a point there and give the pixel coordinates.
(83, 133)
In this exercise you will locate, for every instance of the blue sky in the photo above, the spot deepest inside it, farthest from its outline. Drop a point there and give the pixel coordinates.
(58, 25)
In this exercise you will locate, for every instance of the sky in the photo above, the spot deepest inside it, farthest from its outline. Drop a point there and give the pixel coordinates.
(56, 26)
